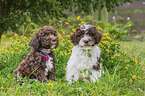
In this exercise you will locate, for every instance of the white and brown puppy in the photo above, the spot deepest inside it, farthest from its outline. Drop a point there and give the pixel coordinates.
(39, 64)
(84, 62)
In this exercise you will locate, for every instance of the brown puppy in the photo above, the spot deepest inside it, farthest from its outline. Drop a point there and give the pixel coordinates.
(39, 63)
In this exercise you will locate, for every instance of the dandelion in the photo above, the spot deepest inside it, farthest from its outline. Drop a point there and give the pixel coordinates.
(134, 77)
(136, 62)
(130, 80)
(128, 47)
(22, 45)
(118, 55)
(3, 36)
(126, 68)
(98, 27)
(12, 52)
(129, 25)
(48, 91)
(63, 32)
(67, 36)
(109, 38)
(106, 34)
(125, 53)
(15, 34)
(65, 53)
(78, 18)
(66, 23)
(107, 50)
(59, 80)
(125, 60)
(0, 53)
(73, 30)
(50, 84)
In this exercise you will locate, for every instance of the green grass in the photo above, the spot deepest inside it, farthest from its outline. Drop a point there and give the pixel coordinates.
(109, 84)
(137, 49)
(124, 72)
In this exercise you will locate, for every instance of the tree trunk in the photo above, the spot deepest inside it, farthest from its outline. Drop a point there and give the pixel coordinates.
(99, 14)
(1, 31)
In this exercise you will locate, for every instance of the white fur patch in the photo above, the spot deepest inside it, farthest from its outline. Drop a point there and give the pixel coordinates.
(80, 60)
(86, 38)
(49, 65)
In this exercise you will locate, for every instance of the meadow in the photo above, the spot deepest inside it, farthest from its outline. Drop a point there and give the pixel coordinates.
(123, 65)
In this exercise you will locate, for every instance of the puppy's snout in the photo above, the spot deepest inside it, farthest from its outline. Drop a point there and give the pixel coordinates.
(54, 40)
(86, 41)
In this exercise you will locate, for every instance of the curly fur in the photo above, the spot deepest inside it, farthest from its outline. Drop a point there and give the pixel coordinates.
(34, 65)
(85, 55)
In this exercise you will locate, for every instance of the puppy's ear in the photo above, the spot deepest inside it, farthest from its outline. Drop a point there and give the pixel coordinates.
(73, 38)
(34, 42)
(99, 37)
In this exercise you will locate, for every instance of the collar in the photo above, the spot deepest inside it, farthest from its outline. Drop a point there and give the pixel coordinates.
(46, 52)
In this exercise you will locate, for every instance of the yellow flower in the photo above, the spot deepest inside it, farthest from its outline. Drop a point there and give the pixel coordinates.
(67, 36)
(12, 52)
(65, 53)
(78, 18)
(112, 61)
(50, 84)
(0, 53)
(129, 25)
(134, 77)
(3, 36)
(136, 62)
(61, 53)
(44, 26)
(109, 38)
(126, 68)
(130, 80)
(118, 55)
(63, 32)
(128, 47)
(48, 91)
(125, 60)
(66, 23)
(24, 37)
(125, 53)
(73, 30)
(59, 80)
(11, 38)
(30, 20)
(18, 42)
(98, 27)
(15, 34)
(106, 34)
(22, 45)
(107, 50)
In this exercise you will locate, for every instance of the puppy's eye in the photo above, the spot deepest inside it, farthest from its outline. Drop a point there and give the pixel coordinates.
(91, 34)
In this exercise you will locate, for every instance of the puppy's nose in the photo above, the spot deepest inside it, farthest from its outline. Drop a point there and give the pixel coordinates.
(86, 41)
(54, 40)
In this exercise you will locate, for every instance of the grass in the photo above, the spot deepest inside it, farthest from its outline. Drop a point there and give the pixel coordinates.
(109, 84)
(135, 49)
(123, 63)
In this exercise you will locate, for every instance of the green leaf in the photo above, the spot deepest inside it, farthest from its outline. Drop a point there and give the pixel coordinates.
(89, 55)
